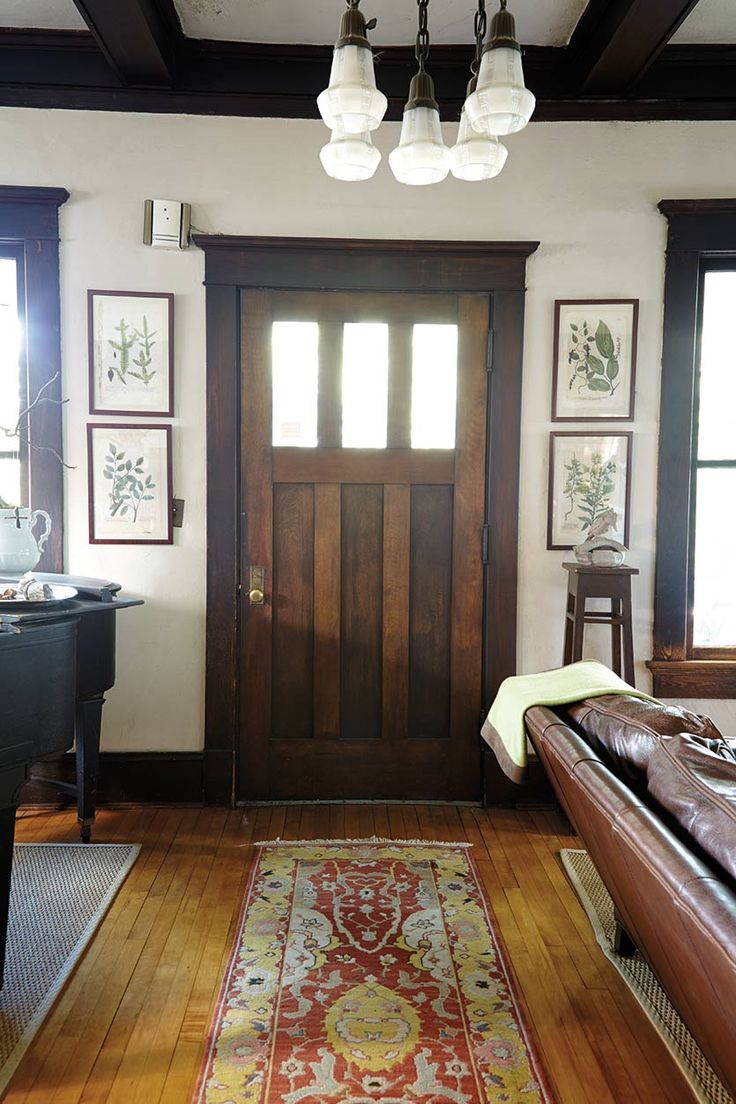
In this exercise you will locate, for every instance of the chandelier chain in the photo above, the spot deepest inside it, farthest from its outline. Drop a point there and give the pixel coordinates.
(421, 50)
(480, 25)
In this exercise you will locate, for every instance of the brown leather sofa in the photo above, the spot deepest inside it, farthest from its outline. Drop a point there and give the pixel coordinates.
(651, 791)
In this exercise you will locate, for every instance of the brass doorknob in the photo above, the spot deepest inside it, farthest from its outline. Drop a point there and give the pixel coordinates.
(256, 597)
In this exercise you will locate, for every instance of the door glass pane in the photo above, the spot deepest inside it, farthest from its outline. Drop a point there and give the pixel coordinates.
(10, 381)
(714, 615)
(433, 386)
(717, 417)
(365, 385)
(295, 368)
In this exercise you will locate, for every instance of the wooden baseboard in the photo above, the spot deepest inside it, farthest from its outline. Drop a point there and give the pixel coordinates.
(157, 778)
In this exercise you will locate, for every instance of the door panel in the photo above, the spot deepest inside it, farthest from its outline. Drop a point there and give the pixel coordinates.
(361, 540)
(430, 597)
(293, 611)
(361, 669)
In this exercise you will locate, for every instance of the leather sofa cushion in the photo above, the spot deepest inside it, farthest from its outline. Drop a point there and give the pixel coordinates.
(625, 730)
(695, 781)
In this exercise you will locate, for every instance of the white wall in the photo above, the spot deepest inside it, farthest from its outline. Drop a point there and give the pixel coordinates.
(588, 192)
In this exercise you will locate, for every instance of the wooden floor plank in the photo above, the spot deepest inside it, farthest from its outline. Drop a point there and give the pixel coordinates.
(131, 1025)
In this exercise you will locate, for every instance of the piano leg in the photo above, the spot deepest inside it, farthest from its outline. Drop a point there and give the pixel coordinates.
(87, 733)
(7, 835)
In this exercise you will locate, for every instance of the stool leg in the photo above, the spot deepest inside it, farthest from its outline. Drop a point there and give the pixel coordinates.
(578, 627)
(567, 650)
(616, 628)
(627, 630)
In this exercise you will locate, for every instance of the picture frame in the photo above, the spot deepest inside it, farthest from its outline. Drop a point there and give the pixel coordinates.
(589, 472)
(129, 474)
(131, 353)
(594, 359)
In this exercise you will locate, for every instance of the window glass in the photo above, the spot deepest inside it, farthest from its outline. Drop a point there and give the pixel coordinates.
(714, 615)
(433, 386)
(10, 382)
(295, 369)
(365, 385)
(717, 414)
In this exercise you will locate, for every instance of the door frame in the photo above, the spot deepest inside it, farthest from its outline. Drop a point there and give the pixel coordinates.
(497, 269)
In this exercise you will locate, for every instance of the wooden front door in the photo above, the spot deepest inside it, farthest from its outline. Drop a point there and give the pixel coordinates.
(363, 470)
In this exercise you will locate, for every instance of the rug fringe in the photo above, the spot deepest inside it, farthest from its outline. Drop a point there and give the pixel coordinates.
(279, 842)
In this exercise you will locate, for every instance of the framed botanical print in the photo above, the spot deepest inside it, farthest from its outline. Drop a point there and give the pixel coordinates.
(131, 353)
(129, 474)
(589, 481)
(594, 371)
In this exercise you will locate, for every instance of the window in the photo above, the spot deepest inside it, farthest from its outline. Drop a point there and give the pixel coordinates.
(30, 355)
(714, 470)
(400, 374)
(13, 394)
(695, 590)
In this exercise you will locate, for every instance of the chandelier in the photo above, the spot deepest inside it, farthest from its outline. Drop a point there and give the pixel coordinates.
(497, 103)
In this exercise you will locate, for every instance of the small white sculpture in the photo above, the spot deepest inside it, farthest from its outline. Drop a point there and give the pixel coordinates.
(597, 549)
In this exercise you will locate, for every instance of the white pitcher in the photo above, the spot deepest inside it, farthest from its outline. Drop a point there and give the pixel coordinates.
(19, 550)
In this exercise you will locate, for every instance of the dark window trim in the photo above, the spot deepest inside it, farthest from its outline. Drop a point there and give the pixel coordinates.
(11, 448)
(497, 269)
(701, 235)
(29, 220)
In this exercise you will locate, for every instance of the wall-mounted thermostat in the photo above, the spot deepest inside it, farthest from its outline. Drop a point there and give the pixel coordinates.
(166, 223)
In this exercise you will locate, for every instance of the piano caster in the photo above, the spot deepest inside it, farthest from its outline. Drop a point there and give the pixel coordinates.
(85, 831)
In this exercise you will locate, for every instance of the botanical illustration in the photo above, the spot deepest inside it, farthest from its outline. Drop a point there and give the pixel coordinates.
(130, 483)
(588, 487)
(131, 353)
(595, 359)
(131, 486)
(124, 364)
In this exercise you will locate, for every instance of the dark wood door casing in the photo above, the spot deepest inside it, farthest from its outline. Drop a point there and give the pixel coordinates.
(496, 269)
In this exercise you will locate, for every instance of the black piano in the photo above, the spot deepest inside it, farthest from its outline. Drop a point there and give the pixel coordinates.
(55, 665)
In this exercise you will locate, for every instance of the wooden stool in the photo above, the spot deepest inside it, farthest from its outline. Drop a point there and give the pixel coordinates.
(589, 581)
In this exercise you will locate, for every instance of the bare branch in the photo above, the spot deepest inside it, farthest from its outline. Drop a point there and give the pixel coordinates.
(43, 448)
(39, 399)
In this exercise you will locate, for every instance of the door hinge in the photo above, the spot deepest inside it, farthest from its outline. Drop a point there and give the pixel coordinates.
(489, 351)
(485, 543)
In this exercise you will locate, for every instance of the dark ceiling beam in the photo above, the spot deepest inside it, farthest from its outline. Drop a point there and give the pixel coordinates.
(65, 69)
(139, 38)
(616, 41)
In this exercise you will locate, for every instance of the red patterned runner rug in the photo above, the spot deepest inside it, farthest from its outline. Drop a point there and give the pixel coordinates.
(368, 972)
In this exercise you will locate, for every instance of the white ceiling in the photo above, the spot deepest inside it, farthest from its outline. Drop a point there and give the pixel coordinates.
(543, 22)
(710, 21)
(540, 22)
(55, 15)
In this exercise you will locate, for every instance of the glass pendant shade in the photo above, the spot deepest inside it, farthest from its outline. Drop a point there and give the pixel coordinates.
(421, 156)
(352, 99)
(349, 156)
(476, 156)
(501, 104)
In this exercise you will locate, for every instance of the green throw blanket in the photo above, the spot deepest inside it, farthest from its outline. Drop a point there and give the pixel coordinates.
(504, 726)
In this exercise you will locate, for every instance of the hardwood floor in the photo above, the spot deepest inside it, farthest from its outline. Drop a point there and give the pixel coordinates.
(130, 1027)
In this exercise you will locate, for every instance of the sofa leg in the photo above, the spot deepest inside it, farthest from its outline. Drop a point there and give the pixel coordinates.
(623, 944)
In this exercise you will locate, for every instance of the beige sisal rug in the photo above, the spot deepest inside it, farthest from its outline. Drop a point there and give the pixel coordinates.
(636, 973)
(59, 894)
